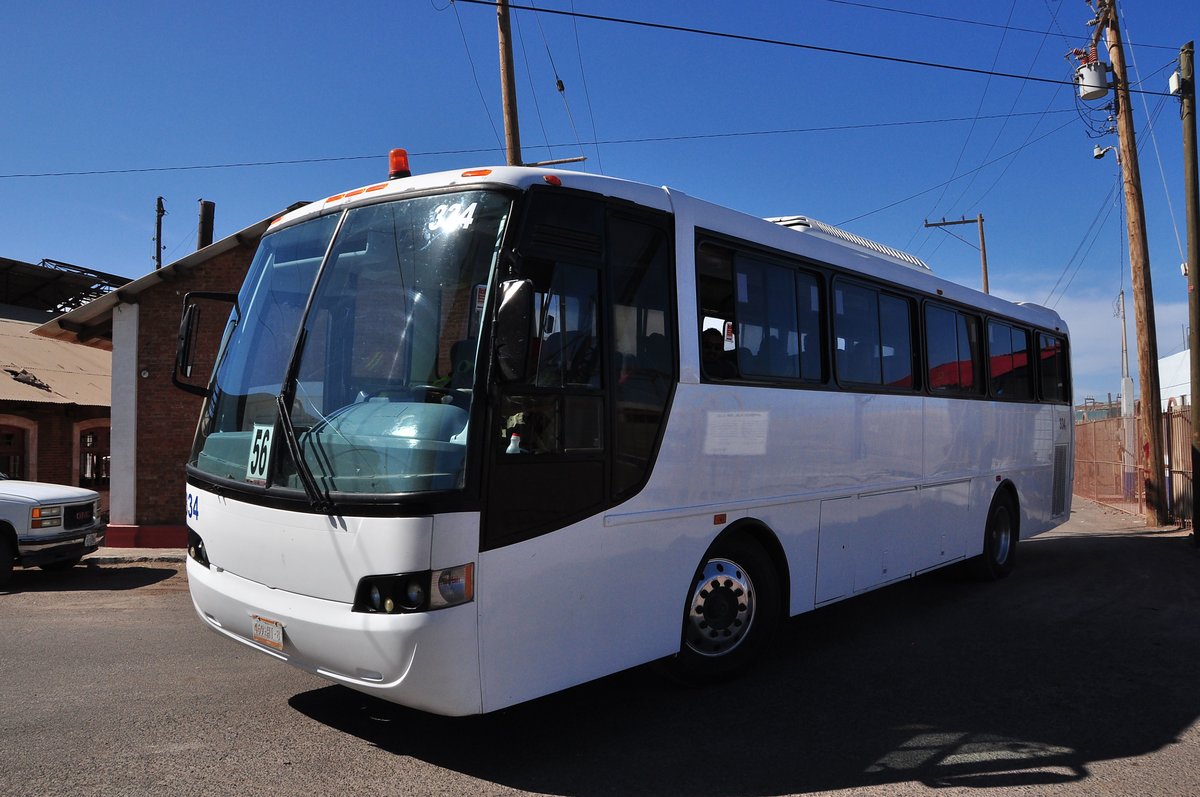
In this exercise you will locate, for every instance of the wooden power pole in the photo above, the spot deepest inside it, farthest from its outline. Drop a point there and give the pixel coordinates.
(1187, 96)
(982, 243)
(508, 86)
(1150, 417)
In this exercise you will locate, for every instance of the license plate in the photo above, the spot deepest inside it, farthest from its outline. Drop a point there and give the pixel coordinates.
(267, 632)
(89, 540)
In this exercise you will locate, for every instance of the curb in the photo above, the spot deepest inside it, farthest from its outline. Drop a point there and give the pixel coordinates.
(123, 556)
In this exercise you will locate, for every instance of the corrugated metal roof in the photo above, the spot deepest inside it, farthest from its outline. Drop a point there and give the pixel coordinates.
(46, 371)
(91, 325)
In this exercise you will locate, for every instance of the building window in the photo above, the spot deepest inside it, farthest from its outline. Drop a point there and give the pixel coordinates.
(12, 452)
(94, 458)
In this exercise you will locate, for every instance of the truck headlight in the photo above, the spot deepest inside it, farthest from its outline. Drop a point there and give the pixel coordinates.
(43, 517)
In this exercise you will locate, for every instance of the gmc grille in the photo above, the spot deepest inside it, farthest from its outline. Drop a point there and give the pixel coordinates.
(77, 516)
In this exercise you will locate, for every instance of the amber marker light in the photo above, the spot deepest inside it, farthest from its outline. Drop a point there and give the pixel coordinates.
(477, 173)
(552, 179)
(398, 164)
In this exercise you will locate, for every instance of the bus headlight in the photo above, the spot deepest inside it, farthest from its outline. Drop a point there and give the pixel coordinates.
(406, 593)
(455, 585)
(196, 549)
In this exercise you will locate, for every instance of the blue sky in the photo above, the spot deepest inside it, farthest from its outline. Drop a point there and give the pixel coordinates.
(146, 88)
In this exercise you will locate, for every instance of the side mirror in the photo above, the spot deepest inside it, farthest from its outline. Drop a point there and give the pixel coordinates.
(186, 343)
(514, 318)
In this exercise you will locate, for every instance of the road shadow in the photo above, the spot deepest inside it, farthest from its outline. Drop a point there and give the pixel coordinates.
(85, 578)
(1086, 653)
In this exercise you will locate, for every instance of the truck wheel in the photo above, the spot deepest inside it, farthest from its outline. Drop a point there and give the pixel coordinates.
(6, 559)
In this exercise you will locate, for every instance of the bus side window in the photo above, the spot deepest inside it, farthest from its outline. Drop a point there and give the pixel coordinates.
(856, 325)
(1052, 360)
(953, 351)
(766, 318)
(714, 284)
(566, 359)
(639, 263)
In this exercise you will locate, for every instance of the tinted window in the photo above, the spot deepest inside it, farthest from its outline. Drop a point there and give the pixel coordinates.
(1008, 361)
(872, 337)
(896, 338)
(952, 350)
(759, 319)
(766, 319)
(644, 346)
(856, 334)
(1052, 358)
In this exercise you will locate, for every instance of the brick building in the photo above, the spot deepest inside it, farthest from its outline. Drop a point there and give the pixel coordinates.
(152, 420)
(54, 413)
(54, 397)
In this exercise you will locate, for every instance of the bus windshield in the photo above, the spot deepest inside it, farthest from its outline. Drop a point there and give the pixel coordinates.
(377, 374)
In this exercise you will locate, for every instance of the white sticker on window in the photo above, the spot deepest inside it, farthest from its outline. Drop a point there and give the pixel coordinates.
(260, 452)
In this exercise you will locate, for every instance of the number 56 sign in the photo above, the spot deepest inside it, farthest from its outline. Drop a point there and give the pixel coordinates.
(260, 452)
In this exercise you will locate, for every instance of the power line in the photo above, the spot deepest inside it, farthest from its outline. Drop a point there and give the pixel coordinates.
(487, 111)
(963, 21)
(971, 130)
(537, 106)
(586, 94)
(479, 150)
(782, 43)
(952, 179)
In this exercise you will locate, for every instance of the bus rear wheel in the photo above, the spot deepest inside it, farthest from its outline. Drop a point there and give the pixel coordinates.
(733, 608)
(1000, 536)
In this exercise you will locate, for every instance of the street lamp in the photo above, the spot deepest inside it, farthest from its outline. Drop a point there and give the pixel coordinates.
(1099, 152)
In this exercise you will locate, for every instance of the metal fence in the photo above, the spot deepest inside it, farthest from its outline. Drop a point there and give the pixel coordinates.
(1108, 469)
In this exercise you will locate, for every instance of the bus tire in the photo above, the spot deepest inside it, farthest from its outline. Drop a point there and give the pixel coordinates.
(1000, 536)
(733, 608)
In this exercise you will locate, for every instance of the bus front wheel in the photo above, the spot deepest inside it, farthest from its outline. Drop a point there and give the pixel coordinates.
(1000, 537)
(732, 610)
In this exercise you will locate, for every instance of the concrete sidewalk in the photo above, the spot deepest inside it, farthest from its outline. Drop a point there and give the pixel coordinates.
(123, 556)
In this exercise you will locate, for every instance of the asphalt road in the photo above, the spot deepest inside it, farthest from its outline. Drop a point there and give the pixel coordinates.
(1078, 675)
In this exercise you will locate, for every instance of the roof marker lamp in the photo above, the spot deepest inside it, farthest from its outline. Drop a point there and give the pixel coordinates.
(398, 164)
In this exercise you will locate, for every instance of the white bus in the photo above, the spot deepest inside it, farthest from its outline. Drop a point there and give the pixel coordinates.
(477, 436)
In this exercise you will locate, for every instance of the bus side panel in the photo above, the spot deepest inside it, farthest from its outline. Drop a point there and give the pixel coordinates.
(608, 593)
(578, 604)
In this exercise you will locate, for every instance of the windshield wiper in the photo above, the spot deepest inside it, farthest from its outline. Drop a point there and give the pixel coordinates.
(319, 502)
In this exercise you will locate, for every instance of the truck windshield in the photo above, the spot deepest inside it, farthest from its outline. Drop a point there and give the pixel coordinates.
(382, 363)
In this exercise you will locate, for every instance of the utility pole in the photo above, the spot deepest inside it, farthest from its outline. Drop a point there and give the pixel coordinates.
(1139, 266)
(159, 211)
(1187, 96)
(508, 86)
(982, 242)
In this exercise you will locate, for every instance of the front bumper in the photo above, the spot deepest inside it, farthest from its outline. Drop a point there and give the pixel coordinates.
(428, 661)
(71, 544)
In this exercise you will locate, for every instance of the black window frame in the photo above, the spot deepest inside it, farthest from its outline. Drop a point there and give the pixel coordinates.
(827, 277)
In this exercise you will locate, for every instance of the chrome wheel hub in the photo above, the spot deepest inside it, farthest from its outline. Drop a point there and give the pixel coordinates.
(721, 610)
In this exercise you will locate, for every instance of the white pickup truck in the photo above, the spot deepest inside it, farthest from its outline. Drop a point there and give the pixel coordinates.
(46, 525)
